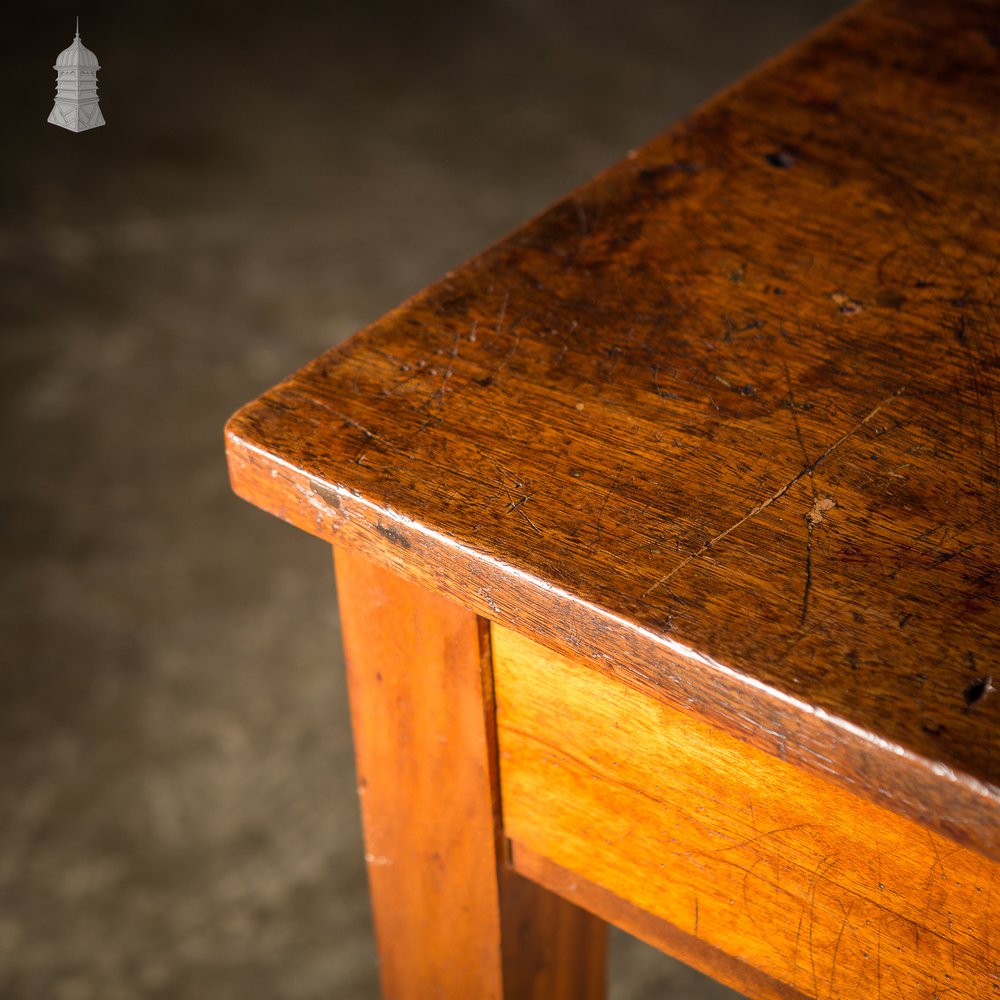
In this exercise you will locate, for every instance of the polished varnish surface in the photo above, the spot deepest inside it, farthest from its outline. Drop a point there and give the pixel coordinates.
(723, 422)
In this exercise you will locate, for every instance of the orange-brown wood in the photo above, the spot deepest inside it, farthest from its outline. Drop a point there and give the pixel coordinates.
(661, 934)
(723, 423)
(822, 893)
(452, 920)
(553, 948)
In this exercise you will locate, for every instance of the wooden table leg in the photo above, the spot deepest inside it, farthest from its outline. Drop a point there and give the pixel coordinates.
(451, 919)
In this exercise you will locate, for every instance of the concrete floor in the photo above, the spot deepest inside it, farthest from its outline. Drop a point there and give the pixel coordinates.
(176, 786)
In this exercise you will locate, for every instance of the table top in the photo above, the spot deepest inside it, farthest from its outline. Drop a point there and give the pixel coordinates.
(722, 423)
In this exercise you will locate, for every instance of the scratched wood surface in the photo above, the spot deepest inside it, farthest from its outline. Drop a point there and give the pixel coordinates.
(820, 893)
(722, 422)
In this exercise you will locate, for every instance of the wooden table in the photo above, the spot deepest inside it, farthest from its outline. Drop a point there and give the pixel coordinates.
(666, 548)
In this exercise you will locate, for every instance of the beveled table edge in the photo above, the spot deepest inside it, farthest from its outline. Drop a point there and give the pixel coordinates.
(950, 802)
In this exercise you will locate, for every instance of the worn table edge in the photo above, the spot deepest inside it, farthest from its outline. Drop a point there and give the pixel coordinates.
(953, 803)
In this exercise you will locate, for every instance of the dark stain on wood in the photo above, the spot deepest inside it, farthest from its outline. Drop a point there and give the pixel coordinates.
(394, 535)
(978, 689)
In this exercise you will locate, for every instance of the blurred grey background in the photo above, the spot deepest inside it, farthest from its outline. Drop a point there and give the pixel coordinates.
(177, 804)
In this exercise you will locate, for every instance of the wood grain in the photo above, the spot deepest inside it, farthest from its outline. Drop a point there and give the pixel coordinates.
(451, 919)
(723, 423)
(821, 892)
(659, 933)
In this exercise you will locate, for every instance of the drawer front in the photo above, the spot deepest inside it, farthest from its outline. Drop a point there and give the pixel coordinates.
(737, 854)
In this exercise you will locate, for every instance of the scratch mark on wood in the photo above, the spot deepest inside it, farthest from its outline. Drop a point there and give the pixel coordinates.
(656, 385)
(795, 947)
(503, 311)
(836, 946)
(438, 396)
(369, 434)
(779, 493)
(807, 576)
(600, 512)
(813, 517)
(512, 503)
(767, 833)
(878, 956)
(807, 582)
(820, 872)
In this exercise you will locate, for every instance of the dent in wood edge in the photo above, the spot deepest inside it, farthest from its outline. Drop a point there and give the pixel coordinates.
(335, 509)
